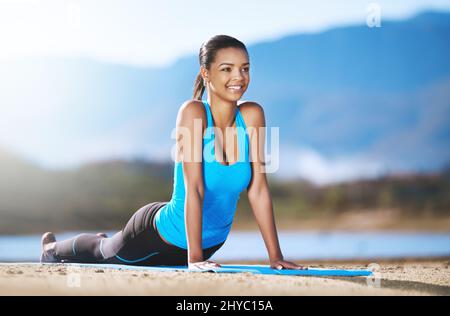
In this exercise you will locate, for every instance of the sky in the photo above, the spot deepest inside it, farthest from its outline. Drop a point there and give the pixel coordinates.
(156, 33)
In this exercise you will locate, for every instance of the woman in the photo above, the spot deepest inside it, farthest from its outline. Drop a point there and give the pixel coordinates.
(194, 224)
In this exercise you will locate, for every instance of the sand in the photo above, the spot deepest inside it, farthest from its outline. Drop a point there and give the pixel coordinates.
(419, 277)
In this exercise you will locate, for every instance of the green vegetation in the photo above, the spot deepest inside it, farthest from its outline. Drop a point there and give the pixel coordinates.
(104, 195)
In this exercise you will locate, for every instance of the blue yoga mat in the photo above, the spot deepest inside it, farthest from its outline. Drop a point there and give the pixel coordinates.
(225, 268)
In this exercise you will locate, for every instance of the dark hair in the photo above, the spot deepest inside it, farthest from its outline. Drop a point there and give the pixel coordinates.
(207, 54)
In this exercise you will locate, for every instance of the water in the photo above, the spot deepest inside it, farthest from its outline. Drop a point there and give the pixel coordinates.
(294, 245)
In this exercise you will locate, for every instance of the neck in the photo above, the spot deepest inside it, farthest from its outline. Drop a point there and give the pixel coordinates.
(222, 110)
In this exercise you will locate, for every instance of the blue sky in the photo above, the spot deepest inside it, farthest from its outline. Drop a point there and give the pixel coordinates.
(155, 33)
(139, 32)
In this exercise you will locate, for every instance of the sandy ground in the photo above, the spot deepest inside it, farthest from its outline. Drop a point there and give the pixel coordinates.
(418, 277)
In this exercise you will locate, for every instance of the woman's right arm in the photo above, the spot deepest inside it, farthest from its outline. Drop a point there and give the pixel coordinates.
(190, 146)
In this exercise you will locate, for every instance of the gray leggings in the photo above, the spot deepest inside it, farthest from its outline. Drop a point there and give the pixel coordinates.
(138, 243)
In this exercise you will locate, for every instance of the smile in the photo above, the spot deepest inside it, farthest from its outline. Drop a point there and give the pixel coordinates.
(235, 88)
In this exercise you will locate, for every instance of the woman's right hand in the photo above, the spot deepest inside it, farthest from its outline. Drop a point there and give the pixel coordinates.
(203, 265)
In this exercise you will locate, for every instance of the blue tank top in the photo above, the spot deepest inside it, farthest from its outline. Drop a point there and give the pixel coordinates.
(222, 187)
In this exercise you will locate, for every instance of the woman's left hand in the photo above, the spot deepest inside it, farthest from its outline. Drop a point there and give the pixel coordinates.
(282, 264)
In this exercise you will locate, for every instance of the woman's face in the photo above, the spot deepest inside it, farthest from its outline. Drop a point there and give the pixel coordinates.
(228, 76)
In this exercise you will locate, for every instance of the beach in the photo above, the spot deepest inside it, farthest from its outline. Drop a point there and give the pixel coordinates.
(392, 277)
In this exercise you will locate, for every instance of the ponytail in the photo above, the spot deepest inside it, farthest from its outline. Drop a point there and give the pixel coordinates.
(199, 88)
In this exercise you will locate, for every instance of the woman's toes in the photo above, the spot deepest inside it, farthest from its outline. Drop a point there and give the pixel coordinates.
(48, 237)
(48, 241)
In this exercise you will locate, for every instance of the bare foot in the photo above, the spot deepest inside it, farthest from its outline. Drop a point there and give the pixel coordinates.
(102, 235)
(47, 244)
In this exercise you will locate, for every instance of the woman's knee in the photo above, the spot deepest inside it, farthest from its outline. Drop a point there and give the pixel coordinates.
(87, 247)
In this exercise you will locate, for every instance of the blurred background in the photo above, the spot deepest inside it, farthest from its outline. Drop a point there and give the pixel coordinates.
(360, 91)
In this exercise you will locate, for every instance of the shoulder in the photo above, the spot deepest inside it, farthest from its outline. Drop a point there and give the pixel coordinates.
(192, 108)
(189, 111)
(253, 113)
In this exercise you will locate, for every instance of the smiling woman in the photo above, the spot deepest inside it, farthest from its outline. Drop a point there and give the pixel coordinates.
(195, 223)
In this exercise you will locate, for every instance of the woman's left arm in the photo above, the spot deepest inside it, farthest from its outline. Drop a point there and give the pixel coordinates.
(258, 190)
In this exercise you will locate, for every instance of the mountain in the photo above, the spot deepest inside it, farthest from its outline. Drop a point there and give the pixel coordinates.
(352, 101)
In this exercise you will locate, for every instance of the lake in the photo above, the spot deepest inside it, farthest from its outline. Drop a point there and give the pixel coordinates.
(310, 245)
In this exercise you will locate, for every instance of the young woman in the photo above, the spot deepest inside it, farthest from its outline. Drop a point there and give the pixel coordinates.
(214, 164)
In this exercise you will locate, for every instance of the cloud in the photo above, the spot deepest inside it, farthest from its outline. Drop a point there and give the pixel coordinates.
(305, 162)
